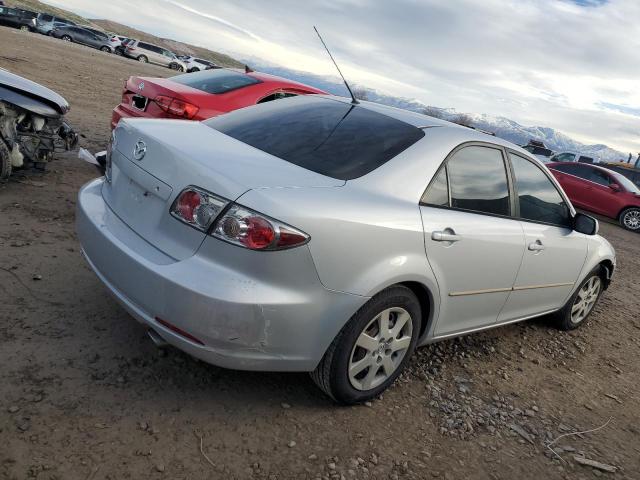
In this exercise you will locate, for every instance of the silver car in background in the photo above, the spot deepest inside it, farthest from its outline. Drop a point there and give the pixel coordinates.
(313, 234)
(148, 53)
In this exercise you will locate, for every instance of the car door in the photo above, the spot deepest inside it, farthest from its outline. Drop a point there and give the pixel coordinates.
(603, 198)
(80, 35)
(574, 181)
(554, 253)
(473, 244)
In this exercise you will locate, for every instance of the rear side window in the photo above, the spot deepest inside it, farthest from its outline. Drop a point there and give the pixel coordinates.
(438, 192)
(478, 181)
(564, 157)
(216, 81)
(538, 198)
(330, 137)
(46, 18)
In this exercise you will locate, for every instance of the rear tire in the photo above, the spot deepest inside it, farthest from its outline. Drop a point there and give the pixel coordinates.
(105, 49)
(5, 161)
(582, 302)
(24, 28)
(630, 219)
(372, 349)
(143, 59)
(66, 38)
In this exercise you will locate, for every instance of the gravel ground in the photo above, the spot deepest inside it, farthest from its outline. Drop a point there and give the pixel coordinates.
(85, 395)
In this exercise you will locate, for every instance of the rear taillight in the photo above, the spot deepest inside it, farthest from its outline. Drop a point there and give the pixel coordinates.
(197, 208)
(255, 231)
(176, 107)
(238, 225)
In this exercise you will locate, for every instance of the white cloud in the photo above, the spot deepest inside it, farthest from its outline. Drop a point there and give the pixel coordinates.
(546, 62)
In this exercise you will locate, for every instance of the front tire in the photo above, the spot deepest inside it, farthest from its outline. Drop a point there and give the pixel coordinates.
(105, 49)
(372, 349)
(24, 28)
(66, 38)
(582, 302)
(630, 219)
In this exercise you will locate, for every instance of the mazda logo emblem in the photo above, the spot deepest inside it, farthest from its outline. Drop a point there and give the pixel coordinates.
(141, 86)
(140, 150)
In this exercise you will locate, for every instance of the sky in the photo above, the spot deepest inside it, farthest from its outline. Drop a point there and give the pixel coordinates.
(567, 64)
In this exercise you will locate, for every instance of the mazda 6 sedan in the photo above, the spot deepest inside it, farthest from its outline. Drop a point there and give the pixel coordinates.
(314, 234)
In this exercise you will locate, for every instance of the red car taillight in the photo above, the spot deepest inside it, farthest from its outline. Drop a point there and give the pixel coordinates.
(197, 208)
(238, 225)
(247, 228)
(176, 107)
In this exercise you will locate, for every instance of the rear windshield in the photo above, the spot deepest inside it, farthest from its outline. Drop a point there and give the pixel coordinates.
(215, 81)
(329, 137)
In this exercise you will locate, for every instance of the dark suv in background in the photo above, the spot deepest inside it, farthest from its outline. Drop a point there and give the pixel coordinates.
(18, 18)
(630, 171)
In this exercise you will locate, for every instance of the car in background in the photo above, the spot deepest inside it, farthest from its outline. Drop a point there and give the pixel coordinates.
(600, 190)
(116, 41)
(46, 22)
(202, 95)
(196, 64)
(572, 157)
(314, 234)
(632, 172)
(18, 18)
(539, 150)
(148, 53)
(91, 38)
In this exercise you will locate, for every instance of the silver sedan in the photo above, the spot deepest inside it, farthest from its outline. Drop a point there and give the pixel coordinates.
(313, 234)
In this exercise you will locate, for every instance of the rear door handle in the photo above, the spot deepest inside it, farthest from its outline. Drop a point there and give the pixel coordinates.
(536, 246)
(444, 236)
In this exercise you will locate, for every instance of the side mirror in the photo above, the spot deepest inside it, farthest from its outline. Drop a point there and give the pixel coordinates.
(585, 224)
(615, 187)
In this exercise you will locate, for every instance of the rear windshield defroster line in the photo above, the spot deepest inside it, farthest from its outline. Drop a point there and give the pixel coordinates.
(329, 137)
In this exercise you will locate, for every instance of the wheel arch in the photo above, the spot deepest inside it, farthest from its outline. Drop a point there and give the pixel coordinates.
(606, 271)
(426, 299)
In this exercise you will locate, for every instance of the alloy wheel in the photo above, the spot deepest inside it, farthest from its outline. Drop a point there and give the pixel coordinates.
(380, 348)
(586, 299)
(631, 219)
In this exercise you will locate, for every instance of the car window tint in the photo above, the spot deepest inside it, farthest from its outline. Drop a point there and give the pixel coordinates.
(438, 191)
(330, 137)
(478, 180)
(216, 81)
(538, 198)
(600, 177)
(564, 157)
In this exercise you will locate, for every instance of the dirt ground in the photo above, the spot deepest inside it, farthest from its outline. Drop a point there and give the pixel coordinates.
(84, 394)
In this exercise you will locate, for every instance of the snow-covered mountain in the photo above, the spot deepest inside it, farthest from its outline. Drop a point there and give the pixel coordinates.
(501, 126)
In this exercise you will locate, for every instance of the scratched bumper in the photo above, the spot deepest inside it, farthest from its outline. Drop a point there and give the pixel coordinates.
(252, 310)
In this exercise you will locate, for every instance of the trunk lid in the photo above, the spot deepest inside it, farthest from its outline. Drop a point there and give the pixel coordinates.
(183, 153)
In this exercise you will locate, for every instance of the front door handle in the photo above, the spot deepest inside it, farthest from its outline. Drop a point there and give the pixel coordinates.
(445, 236)
(536, 246)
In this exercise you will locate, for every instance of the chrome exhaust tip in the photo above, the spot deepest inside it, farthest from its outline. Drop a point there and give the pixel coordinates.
(157, 339)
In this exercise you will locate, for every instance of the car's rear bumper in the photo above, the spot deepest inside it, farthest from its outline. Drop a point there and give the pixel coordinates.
(122, 111)
(271, 313)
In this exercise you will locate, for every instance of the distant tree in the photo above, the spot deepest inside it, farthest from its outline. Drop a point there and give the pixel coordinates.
(432, 112)
(463, 119)
(360, 93)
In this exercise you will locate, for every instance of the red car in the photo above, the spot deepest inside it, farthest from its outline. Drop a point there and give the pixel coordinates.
(600, 190)
(202, 95)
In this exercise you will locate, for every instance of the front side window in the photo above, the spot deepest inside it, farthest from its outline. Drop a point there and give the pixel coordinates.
(478, 181)
(599, 177)
(538, 197)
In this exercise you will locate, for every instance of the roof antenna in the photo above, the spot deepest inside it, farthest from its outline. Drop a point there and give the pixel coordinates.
(354, 100)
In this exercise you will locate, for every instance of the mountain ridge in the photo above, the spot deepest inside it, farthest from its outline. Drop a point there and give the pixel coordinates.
(503, 127)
